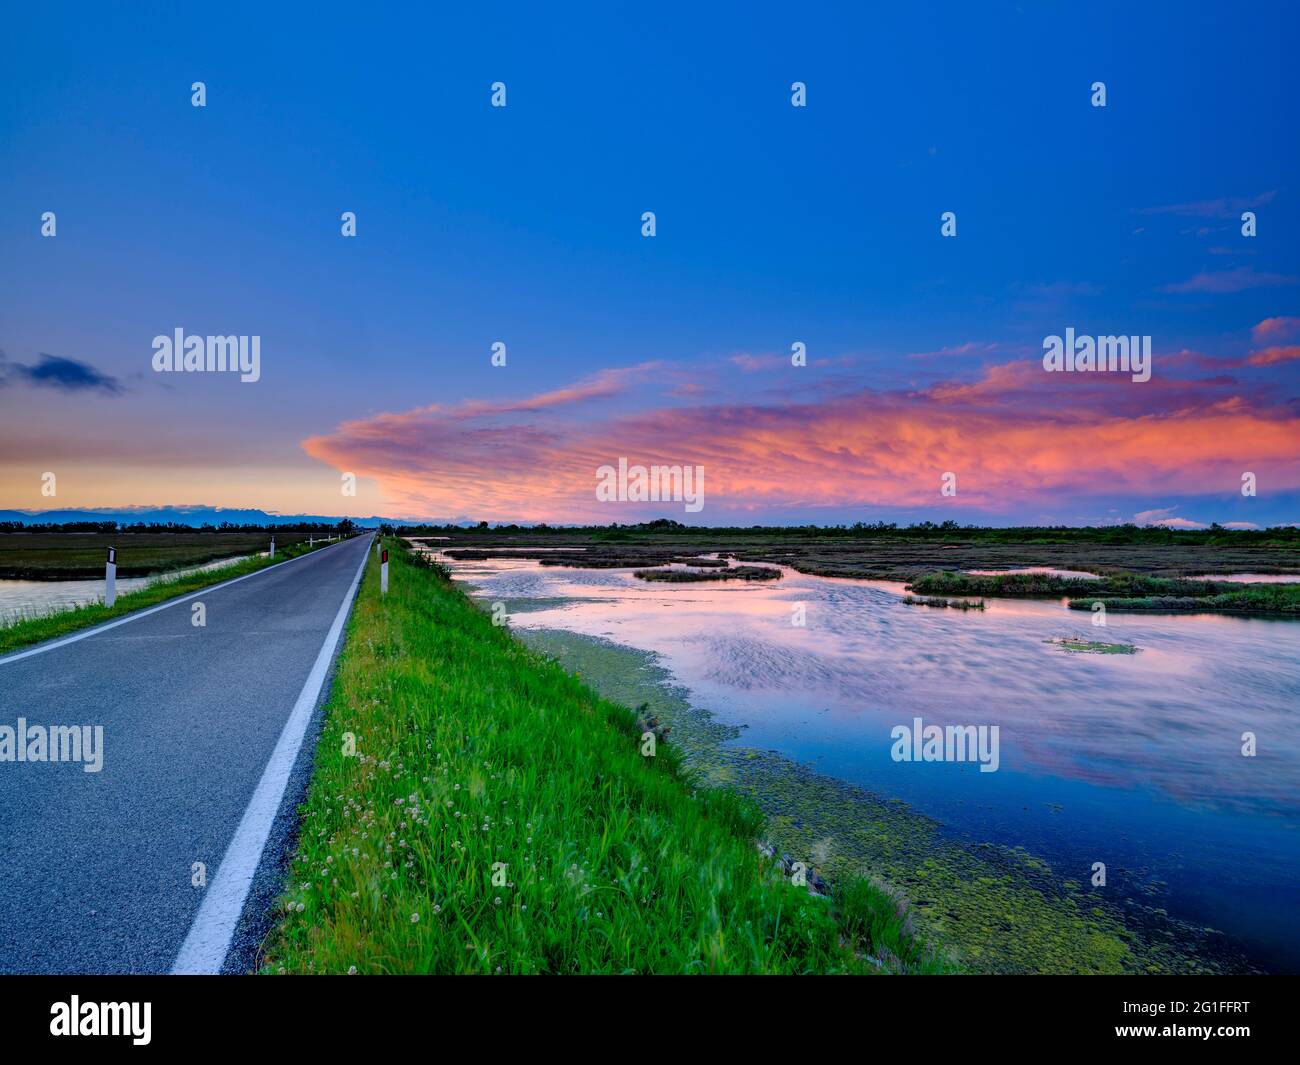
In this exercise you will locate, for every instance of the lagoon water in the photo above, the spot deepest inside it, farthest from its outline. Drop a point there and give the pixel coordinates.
(27, 599)
(1131, 760)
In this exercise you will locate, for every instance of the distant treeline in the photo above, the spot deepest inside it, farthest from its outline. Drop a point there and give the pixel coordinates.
(325, 528)
(926, 530)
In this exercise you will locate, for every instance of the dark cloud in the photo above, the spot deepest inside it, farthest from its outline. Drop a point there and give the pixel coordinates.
(53, 371)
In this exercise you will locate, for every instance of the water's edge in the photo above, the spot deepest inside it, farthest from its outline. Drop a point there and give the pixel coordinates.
(995, 908)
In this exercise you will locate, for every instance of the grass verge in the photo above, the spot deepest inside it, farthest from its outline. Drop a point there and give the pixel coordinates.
(476, 809)
(28, 631)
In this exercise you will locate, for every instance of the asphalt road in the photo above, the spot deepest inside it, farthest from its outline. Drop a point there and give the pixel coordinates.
(96, 869)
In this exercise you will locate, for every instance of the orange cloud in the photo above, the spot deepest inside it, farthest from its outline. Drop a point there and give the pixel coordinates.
(1013, 438)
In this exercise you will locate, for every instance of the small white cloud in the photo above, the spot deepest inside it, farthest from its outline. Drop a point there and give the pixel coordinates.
(1165, 517)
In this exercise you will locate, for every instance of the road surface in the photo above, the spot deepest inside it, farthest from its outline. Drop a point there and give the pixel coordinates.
(207, 737)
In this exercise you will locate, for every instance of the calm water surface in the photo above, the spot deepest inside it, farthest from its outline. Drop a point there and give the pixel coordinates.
(26, 599)
(1131, 760)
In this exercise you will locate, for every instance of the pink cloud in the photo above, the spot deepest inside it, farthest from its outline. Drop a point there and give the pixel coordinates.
(1272, 356)
(969, 348)
(1238, 280)
(1013, 435)
(1275, 329)
(755, 363)
(601, 385)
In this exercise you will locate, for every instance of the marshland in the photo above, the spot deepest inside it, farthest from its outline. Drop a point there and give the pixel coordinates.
(50, 576)
(1122, 745)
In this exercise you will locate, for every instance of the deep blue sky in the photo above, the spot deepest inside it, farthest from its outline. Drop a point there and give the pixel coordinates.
(819, 224)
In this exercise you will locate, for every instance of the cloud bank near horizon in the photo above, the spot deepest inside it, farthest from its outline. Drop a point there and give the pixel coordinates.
(1020, 441)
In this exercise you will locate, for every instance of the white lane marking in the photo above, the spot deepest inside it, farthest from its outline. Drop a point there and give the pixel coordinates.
(95, 630)
(205, 948)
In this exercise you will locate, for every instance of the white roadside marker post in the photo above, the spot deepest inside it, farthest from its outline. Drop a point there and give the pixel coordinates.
(311, 541)
(273, 547)
(110, 578)
(383, 572)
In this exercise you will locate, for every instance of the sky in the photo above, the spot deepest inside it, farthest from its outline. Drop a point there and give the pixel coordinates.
(775, 225)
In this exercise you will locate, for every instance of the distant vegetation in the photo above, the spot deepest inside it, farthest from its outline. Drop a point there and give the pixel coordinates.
(882, 551)
(320, 528)
(1215, 535)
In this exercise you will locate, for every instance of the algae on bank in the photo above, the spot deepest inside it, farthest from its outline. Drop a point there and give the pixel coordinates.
(997, 909)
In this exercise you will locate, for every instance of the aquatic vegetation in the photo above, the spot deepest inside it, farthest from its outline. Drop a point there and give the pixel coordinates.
(1004, 585)
(1226, 598)
(1078, 645)
(734, 573)
(1121, 591)
(955, 604)
(995, 908)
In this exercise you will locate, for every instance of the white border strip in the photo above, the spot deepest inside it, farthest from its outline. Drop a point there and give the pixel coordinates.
(95, 630)
(208, 942)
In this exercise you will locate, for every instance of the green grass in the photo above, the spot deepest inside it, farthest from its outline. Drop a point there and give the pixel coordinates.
(28, 631)
(476, 756)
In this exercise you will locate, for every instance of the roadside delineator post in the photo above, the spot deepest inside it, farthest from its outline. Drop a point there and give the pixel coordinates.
(383, 572)
(273, 547)
(110, 578)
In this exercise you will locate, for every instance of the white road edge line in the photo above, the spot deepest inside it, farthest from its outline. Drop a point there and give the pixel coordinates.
(208, 942)
(95, 630)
